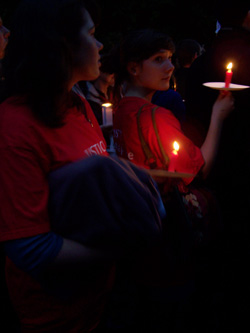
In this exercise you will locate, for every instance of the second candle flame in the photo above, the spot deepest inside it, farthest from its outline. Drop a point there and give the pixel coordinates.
(176, 147)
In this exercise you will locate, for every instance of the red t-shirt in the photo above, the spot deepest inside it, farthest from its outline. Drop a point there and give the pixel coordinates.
(29, 151)
(156, 269)
(127, 141)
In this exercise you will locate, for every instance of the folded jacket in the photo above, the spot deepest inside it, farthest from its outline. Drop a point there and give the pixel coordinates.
(105, 202)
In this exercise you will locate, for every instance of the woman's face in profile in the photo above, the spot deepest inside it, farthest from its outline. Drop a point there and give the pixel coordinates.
(87, 58)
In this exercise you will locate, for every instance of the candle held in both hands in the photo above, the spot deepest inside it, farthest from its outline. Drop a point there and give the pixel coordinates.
(229, 75)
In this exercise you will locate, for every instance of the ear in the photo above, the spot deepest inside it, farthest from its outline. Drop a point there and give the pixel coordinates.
(133, 68)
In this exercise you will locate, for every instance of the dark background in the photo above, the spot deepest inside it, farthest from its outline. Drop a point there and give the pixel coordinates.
(225, 293)
(178, 18)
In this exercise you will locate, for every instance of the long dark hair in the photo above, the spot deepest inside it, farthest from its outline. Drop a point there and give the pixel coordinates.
(39, 56)
(137, 46)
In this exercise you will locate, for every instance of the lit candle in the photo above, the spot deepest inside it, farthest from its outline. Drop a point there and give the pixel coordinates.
(174, 156)
(229, 75)
(107, 114)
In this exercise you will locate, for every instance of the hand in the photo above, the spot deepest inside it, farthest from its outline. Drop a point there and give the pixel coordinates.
(223, 106)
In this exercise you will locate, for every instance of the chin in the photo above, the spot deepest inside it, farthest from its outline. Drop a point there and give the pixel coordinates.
(96, 74)
(165, 87)
(93, 76)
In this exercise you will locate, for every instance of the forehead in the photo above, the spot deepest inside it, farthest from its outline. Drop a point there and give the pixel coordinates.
(163, 52)
(89, 24)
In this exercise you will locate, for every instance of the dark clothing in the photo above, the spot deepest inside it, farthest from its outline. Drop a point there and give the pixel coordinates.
(172, 101)
(96, 98)
(181, 77)
(230, 175)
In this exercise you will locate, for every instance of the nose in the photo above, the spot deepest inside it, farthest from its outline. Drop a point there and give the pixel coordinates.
(6, 33)
(169, 66)
(99, 45)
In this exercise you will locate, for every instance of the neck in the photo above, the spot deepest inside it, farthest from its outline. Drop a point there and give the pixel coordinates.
(137, 91)
(102, 86)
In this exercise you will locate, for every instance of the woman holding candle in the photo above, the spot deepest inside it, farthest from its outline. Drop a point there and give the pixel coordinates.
(145, 66)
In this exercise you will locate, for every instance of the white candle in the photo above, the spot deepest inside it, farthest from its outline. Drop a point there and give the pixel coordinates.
(107, 114)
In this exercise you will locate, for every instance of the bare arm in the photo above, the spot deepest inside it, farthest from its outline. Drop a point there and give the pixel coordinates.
(50, 251)
(221, 109)
(73, 253)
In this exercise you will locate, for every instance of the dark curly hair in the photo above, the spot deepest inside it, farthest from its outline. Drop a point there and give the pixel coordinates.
(39, 57)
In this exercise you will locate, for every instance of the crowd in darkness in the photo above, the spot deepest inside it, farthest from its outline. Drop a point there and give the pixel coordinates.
(141, 224)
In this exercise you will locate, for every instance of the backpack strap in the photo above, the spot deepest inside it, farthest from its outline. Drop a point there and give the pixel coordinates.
(150, 157)
(164, 154)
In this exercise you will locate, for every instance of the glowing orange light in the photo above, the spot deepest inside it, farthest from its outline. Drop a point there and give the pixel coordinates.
(176, 146)
(230, 66)
(106, 105)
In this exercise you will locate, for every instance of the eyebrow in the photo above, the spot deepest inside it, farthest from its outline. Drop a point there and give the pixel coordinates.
(162, 51)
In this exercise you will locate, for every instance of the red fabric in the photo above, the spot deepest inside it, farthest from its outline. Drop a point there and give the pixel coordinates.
(157, 268)
(29, 151)
(128, 144)
(40, 312)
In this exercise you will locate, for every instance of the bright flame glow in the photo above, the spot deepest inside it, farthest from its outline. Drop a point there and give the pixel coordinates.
(229, 66)
(176, 146)
(107, 105)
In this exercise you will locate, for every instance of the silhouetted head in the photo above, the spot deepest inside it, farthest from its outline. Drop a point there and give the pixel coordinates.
(187, 50)
(51, 47)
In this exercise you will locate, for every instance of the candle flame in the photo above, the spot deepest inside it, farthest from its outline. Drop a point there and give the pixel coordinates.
(230, 65)
(176, 146)
(107, 105)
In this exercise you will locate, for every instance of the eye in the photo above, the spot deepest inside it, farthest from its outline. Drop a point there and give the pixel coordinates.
(159, 59)
(92, 32)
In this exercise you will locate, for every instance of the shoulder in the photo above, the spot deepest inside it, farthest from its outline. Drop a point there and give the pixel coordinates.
(17, 122)
(165, 117)
(14, 111)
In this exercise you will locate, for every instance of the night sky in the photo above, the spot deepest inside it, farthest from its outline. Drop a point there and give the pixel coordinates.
(178, 18)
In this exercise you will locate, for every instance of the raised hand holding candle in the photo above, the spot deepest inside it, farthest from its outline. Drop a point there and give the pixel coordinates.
(107, 114)
(229, 75)
(174, 156)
